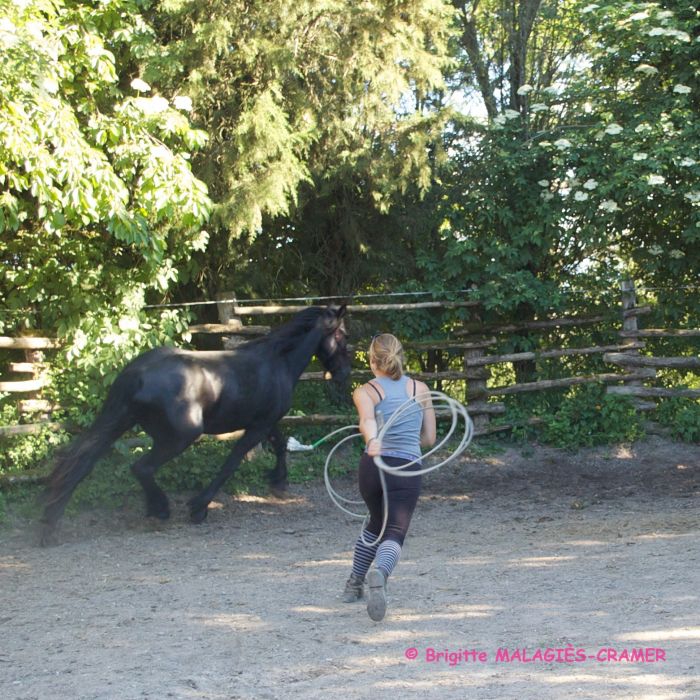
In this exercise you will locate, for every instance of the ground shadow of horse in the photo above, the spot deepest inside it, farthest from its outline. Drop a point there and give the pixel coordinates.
(176, 396)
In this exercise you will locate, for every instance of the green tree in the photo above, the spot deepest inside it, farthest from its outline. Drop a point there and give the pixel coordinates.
(586, 167)
(321, 118)
(99, 208)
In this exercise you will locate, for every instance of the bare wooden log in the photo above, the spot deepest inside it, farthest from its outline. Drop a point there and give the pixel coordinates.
(29, 428)
(36, 406)
(545, 354)
(23, 386)
(231, 328)
(481, 408)
(533, 325)
(654, 392)
(636, 311)
(320, 419)
(362, 374)
(502, 427)
(23, 479)
(449, 344)
(569, 381)
(25, 367)
(662, 333)
(622, 358)
(28, 343)
(273, 309)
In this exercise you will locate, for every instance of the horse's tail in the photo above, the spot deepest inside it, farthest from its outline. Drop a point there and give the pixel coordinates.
(74, 462)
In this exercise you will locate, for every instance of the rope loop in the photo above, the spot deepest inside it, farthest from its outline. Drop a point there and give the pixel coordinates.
(439, 400)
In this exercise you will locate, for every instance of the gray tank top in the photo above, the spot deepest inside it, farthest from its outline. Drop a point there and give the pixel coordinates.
(403, 438)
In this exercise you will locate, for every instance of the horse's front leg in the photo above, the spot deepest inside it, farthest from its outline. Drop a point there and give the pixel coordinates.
(278, 476)
(200, 503)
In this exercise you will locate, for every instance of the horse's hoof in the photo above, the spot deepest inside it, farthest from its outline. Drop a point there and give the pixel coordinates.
(160, 511)
(199, 515)
(48, 536)
(279, 489)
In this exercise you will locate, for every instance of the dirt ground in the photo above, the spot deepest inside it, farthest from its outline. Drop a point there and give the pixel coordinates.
(540, 574)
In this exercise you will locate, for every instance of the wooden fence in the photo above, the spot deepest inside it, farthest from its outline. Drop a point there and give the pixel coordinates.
(474, 340)
(29, 363)
(628, 374)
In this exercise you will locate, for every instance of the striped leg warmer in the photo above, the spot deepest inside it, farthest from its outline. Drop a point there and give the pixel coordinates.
(388, 554)
(364, 555)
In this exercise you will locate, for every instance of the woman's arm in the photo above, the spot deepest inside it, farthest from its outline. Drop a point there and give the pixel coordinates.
(368, 425)
(428, 431)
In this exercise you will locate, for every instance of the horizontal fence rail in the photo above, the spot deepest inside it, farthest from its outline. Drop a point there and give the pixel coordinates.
(635, 365)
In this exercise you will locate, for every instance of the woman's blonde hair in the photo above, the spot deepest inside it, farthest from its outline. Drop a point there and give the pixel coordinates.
(386, 352)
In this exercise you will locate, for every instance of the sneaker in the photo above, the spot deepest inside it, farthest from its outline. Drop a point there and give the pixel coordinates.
(376, 604)
(353, 589)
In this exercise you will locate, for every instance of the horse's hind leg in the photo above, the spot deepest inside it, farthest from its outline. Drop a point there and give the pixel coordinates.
(278, 475)
(145, 469)
(200, 503)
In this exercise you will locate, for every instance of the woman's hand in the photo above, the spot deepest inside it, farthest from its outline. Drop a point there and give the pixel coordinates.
(374, 447)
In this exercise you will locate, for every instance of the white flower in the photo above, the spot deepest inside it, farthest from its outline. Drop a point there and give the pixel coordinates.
(547, 196)
(562, 144)
(543, 183)
(639, 16)
(183, 103)
(687, 162)
(128, 323)
(589, 8)
(681, 89)
(49, 85)
(524, 89)
(657, 31)
(678, 34)
(639, 156)
(609, 205)
(646, 69)
(656, 249)
(677, 254)
(7, 25)
(613, 129)
(151, 105)
(640, 128)
(581, 196)
(140, 85)
(656, 179)
(694, 197)
(590, 184)
(551, 90)
(538, 107)
(544, 144)
(500, 120)
(511, 114)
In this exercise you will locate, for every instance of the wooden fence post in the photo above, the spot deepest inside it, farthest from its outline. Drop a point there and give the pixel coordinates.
(630, 326)
(477, 378)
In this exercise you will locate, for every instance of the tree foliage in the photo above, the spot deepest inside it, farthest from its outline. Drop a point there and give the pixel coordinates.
(320, 119)
(586, 167)
(99, 203)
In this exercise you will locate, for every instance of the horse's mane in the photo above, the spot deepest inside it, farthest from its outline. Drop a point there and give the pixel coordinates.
(285, 336)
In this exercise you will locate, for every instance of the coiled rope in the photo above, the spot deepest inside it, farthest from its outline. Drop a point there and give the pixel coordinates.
(440, 401)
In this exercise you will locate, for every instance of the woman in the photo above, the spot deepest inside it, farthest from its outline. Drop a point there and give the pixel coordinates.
(376, 402)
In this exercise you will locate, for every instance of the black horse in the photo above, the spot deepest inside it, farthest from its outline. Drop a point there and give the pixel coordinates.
(178, 395)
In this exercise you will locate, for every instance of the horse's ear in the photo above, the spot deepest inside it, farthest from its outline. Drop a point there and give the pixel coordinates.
(342, 310)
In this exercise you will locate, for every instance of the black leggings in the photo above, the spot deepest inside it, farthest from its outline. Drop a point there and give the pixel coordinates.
(402, 492)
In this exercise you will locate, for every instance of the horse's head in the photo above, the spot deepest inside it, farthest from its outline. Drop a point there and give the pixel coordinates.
(333, 348)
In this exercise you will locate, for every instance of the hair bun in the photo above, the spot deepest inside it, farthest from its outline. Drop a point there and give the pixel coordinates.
(386, 352)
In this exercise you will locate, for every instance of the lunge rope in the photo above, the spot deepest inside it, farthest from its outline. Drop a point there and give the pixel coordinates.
(440, 400)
